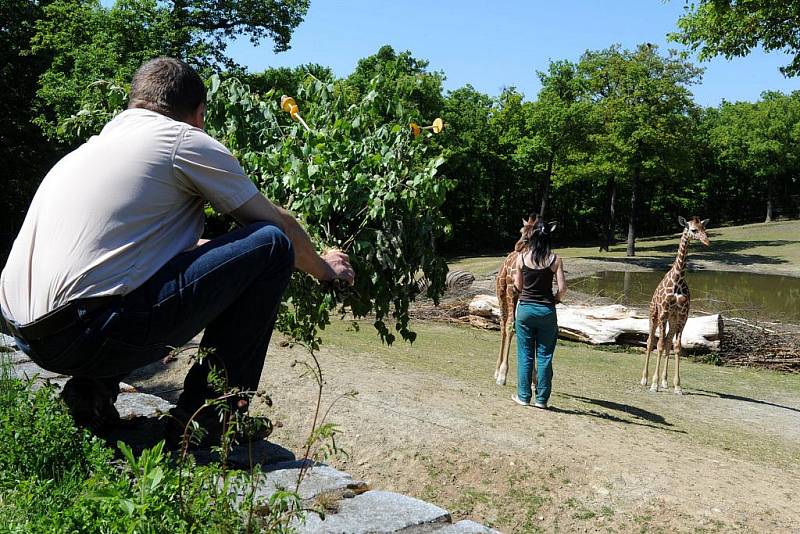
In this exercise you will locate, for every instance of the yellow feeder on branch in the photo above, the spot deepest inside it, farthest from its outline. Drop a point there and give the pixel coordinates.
(290, 106)
(437, 127)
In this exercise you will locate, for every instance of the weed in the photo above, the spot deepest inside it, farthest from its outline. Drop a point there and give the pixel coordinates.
(583, 514)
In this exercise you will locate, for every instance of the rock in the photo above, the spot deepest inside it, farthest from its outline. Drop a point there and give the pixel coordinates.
(131, 405)
(378, 511)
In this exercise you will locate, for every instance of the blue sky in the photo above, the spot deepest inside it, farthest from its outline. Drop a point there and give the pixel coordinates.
(492, 45)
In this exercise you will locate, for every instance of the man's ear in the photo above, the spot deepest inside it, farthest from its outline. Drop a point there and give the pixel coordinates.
(198, 117)
(682, 221)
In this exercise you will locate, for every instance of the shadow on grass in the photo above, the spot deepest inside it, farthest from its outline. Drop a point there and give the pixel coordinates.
(726, 252)
(729, 396)
(658, 421)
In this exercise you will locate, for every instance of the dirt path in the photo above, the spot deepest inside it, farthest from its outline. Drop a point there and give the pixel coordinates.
(429, 421)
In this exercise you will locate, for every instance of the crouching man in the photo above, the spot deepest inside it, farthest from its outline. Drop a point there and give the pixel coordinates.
(108, 272)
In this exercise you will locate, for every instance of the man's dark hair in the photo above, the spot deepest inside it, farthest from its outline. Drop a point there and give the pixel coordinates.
(168, 86)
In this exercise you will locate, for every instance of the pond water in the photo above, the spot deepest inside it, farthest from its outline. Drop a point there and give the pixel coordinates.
(755, 296)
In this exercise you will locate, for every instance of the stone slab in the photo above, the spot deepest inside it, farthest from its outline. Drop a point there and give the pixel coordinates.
(27, 370)
(316, 481)
(14, 357)
(466, 527)
(377, 512)
(264, 453)
(7, 341)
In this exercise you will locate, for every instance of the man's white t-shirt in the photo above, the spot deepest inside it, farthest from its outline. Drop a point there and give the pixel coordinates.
(114, 211)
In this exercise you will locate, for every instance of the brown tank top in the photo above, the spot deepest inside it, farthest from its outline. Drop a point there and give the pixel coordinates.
(537, 284)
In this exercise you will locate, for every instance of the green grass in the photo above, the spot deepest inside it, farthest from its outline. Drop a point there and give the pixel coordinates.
(774, 243)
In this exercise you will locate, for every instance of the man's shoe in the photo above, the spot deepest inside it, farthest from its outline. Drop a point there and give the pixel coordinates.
(91, 403)
(209, 430)
(540, 405)
(519, 401)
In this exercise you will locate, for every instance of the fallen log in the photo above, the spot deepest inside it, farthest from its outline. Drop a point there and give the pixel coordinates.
(611, 324)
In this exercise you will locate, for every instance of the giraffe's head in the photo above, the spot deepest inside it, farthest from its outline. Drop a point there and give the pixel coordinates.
(526, 232)
(695, 228)
(535, 233)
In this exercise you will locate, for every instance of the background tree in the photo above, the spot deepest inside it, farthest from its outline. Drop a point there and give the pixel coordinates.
(760, 142)
(646, 107)
(25, 154)
(732, 28)
(89, 42)
(560, 120)
(472, 160)
(404, 79)
(285, 80)
(514, 182)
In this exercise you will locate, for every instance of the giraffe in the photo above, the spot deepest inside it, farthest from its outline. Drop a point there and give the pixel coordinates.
(507, 298)
(670, 305)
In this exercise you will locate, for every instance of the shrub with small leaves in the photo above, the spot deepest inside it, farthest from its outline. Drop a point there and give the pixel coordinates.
(360, 184)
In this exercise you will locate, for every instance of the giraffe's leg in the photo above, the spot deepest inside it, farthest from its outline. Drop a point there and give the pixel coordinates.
(650, 339)
(511, 316)
(503, 374)
(662, 331)
(678, 346)
(502, 350)
(667, 349)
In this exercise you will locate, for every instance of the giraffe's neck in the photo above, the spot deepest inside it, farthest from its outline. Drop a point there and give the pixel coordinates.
(679, 266)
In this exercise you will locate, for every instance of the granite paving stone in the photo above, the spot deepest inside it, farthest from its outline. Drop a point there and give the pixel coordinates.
(378, 512)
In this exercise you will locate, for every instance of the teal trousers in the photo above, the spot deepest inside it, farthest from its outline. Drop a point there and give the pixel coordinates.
(537, 331)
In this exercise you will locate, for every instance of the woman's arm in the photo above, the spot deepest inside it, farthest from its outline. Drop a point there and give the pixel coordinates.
(561, 280)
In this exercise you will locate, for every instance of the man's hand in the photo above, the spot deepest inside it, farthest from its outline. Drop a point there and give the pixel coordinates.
(338, 267)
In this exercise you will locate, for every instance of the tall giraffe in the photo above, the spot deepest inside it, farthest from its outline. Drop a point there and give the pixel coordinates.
(670, 305)
(507, 298)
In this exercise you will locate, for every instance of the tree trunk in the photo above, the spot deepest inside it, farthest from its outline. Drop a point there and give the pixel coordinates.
(546, 190)
(608, 230)
(632, 220)
(769, 202)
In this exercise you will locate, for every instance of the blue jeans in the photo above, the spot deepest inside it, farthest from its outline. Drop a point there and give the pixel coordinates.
(537, 330)
(230, 286)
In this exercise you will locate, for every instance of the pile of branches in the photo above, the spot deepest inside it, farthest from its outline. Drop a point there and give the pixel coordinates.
(460, 288)
(769, 345)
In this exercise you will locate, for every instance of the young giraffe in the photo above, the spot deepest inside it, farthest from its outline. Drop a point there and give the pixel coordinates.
(670, 305)
(507, 298)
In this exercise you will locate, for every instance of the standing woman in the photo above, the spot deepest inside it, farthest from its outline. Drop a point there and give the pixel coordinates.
(536, 322)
